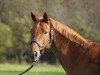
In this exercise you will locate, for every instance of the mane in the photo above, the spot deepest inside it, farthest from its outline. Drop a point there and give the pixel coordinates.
(70, 34)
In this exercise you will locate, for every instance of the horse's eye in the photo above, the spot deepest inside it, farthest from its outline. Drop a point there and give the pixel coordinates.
(45, 32)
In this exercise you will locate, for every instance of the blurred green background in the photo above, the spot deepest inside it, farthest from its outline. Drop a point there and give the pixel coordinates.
(15, 23)
(41, 69)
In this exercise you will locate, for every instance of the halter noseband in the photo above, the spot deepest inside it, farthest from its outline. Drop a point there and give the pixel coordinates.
(49, 42)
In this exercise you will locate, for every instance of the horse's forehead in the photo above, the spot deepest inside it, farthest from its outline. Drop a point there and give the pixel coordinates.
(41, 24)
(40, 17)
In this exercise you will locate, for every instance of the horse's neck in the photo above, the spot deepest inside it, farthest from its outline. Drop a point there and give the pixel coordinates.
(73, 56)
(69, 53)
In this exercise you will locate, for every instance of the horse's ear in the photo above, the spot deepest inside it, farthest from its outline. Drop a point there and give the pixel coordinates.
(34, 18)
(45, 17)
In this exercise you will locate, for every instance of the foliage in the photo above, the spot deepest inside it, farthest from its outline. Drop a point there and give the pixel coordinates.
(6, 36)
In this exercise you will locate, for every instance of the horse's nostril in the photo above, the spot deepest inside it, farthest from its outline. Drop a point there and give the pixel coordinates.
(41, 51)
(35, 53)
(34, 56)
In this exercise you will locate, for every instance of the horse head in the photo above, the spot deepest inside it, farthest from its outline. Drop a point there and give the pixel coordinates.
(41, 36)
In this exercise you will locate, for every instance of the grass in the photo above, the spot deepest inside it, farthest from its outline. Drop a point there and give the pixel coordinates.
(43, 69)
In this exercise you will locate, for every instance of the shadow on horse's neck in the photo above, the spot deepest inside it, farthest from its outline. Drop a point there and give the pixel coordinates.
(69, 46)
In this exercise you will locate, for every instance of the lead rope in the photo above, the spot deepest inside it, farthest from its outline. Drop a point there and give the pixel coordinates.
(32, 65)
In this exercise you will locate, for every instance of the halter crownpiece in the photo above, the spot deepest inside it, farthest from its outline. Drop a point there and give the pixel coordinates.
(51, 32)
(49, 42)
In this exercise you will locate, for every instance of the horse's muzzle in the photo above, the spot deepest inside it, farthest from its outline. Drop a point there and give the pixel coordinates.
(34, 55)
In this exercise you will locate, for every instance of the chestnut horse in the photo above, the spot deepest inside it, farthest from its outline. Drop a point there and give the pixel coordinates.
(77, 55)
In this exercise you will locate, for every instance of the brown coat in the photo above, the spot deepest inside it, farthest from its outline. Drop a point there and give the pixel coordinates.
(77, 55)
